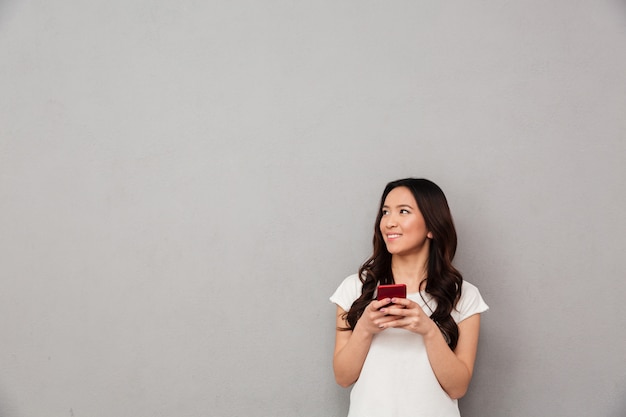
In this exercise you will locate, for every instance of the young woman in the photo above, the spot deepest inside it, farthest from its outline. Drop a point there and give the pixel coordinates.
(410, 356)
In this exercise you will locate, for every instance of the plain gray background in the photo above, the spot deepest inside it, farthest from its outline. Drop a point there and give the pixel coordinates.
(183, 184)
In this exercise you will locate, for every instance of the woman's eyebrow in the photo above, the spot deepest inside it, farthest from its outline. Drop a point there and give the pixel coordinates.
(399, 206)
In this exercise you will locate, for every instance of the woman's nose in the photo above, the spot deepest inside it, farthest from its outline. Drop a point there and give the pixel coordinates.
(390, 221)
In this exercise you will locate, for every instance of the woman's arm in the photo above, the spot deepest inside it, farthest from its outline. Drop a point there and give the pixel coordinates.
(351, 347)
(453, 369)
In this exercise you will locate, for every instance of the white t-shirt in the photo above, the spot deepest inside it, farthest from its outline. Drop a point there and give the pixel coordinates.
(396, 379)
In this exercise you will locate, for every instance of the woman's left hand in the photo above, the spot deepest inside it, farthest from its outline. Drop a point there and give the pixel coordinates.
(411, 317)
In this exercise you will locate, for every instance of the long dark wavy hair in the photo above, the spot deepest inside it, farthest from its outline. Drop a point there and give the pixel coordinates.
(443, 281)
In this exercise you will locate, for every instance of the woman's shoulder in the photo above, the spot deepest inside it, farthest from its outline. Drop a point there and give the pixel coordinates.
(469, 288)
(352, 283)
(470, 291)
(471, 302)
(348, 291)
(352, 280)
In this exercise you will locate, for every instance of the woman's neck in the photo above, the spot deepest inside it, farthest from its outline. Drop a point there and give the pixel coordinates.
(409, 270)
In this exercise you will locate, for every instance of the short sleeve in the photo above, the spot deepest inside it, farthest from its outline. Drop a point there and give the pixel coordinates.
(348, 291)
(471, 303)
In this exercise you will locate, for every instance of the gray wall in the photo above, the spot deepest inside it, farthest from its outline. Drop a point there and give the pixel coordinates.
(183, 184)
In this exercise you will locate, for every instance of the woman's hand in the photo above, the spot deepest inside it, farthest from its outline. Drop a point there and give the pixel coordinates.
(376, 317)
(408, 315)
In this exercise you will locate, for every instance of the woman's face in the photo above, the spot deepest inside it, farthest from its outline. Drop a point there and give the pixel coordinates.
(402, 224)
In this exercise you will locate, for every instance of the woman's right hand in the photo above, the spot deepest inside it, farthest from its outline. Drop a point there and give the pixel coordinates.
(373, 319)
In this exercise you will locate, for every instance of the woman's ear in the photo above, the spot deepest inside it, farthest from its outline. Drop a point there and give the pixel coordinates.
(429, 235)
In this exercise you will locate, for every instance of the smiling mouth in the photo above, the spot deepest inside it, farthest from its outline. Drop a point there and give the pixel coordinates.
(394, 236)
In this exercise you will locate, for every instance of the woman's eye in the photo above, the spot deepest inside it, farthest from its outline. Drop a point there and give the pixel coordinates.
(385, 212)
(404, 211)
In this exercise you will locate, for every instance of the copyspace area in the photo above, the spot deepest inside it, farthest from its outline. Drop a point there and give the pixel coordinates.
(183, 184)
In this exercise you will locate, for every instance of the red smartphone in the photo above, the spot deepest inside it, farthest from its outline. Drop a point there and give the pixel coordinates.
(391, 291)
